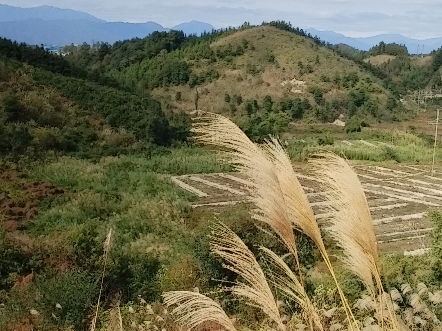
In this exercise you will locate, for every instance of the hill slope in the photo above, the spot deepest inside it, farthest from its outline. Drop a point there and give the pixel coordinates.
(263, 77)
(266, 67)
(47, 103)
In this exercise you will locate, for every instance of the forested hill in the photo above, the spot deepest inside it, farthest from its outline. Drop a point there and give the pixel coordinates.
(409, 72)
(47, 103)
(258, 75)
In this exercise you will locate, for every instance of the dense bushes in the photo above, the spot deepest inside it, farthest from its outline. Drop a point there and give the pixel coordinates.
(140, 114)
(389, 49)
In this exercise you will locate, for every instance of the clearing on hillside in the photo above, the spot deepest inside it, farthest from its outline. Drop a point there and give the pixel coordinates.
(398, 196)
(379, 59)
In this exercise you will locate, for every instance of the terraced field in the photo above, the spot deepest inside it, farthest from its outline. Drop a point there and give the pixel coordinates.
(398, 196)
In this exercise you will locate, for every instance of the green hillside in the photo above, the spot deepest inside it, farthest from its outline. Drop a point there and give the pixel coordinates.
(106, 196)
(247, 73)
(49, 105)
(409, 73)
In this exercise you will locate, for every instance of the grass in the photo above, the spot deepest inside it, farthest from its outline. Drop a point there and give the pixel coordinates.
(288, 50)
(160, 242)
(387, 146)
(281, 204)
(379, 59)
(156, 231)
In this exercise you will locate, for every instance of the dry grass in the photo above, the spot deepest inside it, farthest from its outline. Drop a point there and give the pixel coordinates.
(351, 223)
(351, 226)
(282, 204)
(288, 49)
(195, 309)
(286, 281)
(379, 59)
(277, 195)
(248, 159)
(106, 248)
(239, 259)
(115, 320)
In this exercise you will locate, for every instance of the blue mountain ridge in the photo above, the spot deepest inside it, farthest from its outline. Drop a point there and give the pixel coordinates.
(55, 26)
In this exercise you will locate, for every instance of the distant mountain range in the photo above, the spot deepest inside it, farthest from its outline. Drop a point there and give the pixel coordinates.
(55, 26)
(46, 13)
(364, 44)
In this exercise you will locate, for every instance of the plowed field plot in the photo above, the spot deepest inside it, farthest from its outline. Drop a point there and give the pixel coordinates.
(398, 196)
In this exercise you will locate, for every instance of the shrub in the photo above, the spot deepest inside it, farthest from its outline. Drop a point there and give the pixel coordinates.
(75, 292)
(326, 139)
(355, 124)
(390, 154)
(178, 96)
(184, 273)
(436, 239)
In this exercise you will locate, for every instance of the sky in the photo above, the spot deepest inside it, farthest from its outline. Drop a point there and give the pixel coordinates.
(354, 18)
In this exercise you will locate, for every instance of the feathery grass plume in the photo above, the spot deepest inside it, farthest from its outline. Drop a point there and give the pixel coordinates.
(276, 192)
(300, 210)
(255, 290)
(249, 159)
(194, 309)
(107, 245)
(351, 226)
(286, 281)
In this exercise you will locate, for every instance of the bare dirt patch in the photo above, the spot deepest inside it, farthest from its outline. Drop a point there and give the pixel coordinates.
(20, 198)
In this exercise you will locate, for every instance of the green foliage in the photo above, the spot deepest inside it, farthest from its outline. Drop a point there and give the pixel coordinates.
(267, 103)
(40, 58)
(237, 99)
(389, 49)
(325, 139)
(61, 301)
(391, 103)
(355, 124)
(75, 292)
(295, 107)
(252, 69)
(318, 94)
(258, 127)
(133, 275)
(391, 154)
(14, 263)
(142, 115)
(436, 239)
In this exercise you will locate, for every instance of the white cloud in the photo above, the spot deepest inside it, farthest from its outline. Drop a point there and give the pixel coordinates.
(413, 18)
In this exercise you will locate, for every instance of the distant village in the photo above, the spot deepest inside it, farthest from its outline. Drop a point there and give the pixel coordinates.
(54, 49)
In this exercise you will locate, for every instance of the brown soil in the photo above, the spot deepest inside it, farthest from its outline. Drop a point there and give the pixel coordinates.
(18, 212)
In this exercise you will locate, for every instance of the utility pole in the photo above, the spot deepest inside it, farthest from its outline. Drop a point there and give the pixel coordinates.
(418, 101)
(197, 97)
(435, 142)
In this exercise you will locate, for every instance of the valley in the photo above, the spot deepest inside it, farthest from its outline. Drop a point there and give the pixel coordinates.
(112, 191)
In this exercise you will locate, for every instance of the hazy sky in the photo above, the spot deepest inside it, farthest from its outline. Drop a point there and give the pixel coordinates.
(354, 18)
